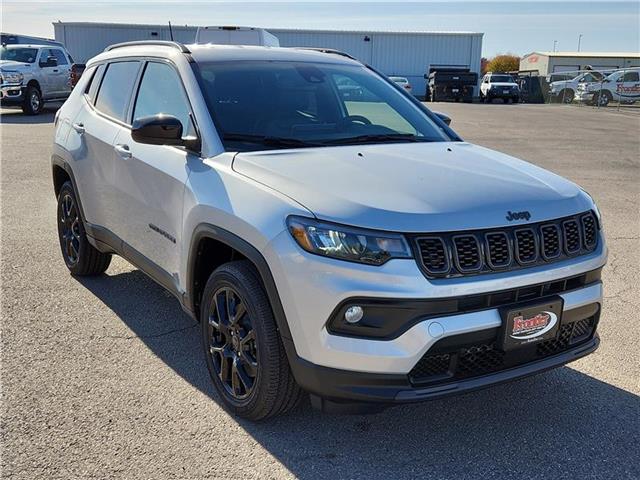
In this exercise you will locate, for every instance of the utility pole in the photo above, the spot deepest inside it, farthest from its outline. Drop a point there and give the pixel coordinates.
(555, 43)
(579, 40)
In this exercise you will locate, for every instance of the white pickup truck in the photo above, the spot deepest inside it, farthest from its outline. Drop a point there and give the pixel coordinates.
(622, 86)
(565, 90)
(31, 75)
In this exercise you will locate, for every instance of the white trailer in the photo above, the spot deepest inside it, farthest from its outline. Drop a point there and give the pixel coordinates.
(236, 36)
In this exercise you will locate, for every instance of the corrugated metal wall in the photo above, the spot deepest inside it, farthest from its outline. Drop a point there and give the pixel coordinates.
(405, 54)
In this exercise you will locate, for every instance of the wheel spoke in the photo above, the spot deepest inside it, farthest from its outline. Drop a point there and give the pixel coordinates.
(239, 312)
(221, 310)
(250, 365)
(225, 366)
(241, 376)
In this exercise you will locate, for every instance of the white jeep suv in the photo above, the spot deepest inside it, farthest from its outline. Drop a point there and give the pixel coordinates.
(351, 247)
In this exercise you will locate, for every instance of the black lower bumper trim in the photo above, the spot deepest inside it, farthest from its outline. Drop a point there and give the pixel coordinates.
(342, 386)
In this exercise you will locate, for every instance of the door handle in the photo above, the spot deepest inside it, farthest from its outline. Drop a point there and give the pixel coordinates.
(78, 127)
(56, 71)
(123, 150)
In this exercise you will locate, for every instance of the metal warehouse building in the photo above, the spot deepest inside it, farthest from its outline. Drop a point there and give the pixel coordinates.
(407, 54)
(554, 62)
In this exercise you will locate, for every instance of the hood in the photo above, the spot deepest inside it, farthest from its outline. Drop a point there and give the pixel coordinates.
(11, 65)
(414, 187)
(503, 84)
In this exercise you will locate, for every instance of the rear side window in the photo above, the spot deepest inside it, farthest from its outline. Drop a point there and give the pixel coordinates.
(630, 77)
(115, 89)
(161, 91)
(94, 83)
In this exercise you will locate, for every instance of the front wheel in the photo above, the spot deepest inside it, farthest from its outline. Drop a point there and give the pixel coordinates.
(79, 255)
(603, 98)
(242, 346)
(32, 104)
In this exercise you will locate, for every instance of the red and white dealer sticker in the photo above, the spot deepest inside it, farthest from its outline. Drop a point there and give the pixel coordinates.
(531, 324)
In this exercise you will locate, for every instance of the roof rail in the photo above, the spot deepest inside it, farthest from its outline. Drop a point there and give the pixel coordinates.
(330, 50)
(159, 43)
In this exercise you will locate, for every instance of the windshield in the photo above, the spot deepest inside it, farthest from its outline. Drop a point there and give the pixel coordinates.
(501, 79)
(280, 104)
(26, 55)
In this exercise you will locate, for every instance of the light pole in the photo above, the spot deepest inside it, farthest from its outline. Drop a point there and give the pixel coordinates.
(579, 40)
(555, 43)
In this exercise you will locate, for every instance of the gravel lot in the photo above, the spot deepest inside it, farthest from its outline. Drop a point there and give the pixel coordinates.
(104, 378)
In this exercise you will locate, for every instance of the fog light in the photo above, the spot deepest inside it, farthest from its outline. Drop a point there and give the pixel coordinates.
(353, 314)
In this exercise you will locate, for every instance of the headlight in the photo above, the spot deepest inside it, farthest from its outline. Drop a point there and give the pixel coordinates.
(347, 243)
(12, 77)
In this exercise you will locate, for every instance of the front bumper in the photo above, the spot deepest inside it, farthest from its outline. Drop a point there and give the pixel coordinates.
(311, 287)
(583, 96)
(338, 389)
(499, 93)
(11, 94)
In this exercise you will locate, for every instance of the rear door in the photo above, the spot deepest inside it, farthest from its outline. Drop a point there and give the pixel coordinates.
(91, 140)
(151, 179)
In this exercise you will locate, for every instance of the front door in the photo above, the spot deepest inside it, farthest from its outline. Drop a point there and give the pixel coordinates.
(151, 179)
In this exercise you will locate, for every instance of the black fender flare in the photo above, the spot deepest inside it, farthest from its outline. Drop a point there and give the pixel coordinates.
(207, 230)
(59, 162)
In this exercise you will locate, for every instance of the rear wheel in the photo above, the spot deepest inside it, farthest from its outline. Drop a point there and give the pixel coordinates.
(242, 346)
(79, 255)
(32, 104)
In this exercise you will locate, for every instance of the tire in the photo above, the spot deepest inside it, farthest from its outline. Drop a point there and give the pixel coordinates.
(80, 257)
(603, 98)
(248, 347)
(566, 96)
(515, 99)
(32, 104)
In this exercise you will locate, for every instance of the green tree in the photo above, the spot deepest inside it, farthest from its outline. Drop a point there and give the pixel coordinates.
(504, 63)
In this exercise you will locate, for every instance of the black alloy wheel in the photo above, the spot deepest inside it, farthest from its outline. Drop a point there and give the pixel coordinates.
(232, 343)
(69, 229)
(80, 257)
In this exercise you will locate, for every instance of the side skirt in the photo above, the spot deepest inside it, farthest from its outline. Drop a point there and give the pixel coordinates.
(108, 242)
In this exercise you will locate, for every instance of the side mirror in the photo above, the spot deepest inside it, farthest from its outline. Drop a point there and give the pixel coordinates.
(51, 61)
(445, 118)
(162, 130)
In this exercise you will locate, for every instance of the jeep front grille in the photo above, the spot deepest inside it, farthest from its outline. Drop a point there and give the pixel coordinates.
(509, 248)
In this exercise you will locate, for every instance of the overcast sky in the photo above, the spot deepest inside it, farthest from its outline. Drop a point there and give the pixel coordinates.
(516, 26)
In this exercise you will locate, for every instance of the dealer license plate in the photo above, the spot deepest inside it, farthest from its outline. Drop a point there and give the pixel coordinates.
(531, 323)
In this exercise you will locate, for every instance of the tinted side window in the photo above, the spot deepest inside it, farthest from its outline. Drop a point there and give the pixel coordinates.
(115, 89)
(630, 77)
(60, 57)
(161, 92)
(94, 83)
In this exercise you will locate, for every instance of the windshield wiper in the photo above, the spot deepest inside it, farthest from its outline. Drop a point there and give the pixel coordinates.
(269, 141)
(380, 137)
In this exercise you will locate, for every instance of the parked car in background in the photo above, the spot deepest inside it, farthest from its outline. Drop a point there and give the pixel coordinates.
(499, 85)
(356, 250)
(32, 75)
(622, 86)
(565, 90)
(403, 82)
(450, 84)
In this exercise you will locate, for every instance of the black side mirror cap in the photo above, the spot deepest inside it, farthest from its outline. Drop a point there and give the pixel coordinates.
(157, 130)
(445, 118)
